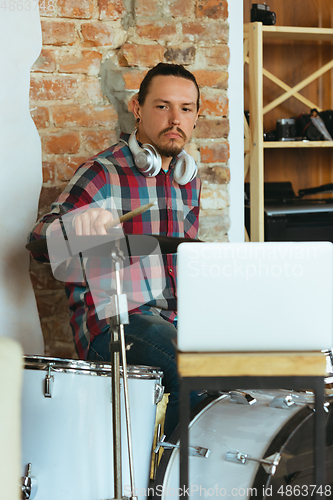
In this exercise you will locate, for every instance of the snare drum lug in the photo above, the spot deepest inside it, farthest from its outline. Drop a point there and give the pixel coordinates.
(29, 485)
(282, 402)
(158, 393)
(193, 451)
(269, 464)
(241, 397)
(48, 383)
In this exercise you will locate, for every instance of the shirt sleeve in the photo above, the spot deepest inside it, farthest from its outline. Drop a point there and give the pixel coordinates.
(88, 186)
(191, 212)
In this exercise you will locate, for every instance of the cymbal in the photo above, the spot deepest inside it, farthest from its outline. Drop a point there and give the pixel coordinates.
(104, 245)
(169, 244)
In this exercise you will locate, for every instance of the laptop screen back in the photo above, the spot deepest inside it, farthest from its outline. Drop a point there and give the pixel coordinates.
(255, 296)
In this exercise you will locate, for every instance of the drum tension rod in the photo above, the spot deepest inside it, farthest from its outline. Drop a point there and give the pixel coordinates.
(269, 463)
(193, 451)
(29, 485)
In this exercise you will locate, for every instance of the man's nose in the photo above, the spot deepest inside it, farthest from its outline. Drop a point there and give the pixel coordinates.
(174, 118)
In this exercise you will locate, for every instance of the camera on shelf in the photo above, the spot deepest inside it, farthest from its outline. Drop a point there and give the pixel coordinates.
(285, 129)
(262, 13)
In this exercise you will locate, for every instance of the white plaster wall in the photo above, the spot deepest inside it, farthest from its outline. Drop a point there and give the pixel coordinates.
(236, 113)
(20, 174)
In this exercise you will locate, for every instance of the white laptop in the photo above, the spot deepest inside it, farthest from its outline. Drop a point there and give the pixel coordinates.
(255, 296)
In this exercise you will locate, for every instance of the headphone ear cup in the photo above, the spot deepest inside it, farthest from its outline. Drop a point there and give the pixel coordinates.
(146, 159)
(185, 169)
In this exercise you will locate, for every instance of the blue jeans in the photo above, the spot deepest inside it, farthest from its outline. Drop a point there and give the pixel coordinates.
(153, 345)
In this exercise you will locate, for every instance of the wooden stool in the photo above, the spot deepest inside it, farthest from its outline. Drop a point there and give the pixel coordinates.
(255, 370)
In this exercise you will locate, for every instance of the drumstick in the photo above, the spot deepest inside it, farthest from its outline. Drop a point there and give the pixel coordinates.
(129, 215)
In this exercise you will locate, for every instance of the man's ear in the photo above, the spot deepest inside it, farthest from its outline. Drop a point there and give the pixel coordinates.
(136, 107)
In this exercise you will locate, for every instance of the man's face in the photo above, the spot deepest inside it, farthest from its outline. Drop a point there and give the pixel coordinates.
(168, 114)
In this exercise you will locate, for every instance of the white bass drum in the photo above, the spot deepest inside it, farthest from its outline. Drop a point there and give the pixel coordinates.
(276, 427)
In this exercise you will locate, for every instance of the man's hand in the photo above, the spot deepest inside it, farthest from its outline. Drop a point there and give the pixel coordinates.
(92, 221)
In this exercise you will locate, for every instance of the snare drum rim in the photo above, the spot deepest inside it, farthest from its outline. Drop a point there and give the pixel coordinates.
(95, 368)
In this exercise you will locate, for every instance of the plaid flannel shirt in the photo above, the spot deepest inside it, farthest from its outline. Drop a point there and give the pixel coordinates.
(111, 180)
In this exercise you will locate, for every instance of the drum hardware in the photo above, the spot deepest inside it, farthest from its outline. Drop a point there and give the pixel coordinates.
(214, 394)
(269, 464)
(117, 322)
(241, 397)
(193, 451)
(155, 453)
(48, 383)
(158, 393)
(138, 243)
(118, 310)
(29, 485)
(282, 402)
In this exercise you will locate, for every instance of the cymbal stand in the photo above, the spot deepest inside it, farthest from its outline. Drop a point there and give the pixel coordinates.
(117, 321)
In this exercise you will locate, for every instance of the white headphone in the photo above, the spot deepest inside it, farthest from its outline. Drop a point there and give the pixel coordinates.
(149, 163)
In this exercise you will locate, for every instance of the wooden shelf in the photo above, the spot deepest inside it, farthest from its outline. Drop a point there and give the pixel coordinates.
(255, 35)
(297, 144)
(293, 33)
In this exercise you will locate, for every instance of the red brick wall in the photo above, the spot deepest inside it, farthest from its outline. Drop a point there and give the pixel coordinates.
(81, 40)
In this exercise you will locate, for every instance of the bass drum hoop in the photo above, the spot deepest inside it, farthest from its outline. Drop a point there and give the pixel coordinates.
(95, 368)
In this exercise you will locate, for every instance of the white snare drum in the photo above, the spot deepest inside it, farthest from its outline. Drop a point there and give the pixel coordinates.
(67, 427)
(272, 428)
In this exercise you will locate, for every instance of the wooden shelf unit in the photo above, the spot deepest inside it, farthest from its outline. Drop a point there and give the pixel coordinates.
(255, 34)
(298, 144)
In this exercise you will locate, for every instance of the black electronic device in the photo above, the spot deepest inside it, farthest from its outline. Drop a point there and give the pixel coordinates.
(288, 217)
(262, 13)
(285, 129)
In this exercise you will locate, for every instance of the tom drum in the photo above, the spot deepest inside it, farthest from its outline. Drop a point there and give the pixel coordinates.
(67, 427)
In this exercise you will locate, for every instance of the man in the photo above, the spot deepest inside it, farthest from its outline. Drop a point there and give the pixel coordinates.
(149, 166)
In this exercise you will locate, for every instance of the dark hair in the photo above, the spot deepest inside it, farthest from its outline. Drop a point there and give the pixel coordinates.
(165, 69)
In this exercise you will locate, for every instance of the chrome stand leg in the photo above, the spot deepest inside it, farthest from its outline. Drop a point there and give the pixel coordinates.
(116, 414)
(117, 345)
(127, 413)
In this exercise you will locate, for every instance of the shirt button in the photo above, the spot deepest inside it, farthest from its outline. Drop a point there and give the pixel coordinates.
(170, 270)
(169, 208)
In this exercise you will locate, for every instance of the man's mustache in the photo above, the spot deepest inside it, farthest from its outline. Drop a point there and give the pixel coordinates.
(179, 130)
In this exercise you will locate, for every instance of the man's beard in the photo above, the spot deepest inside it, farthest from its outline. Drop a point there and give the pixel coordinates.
(173, 149)
(167, 151)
